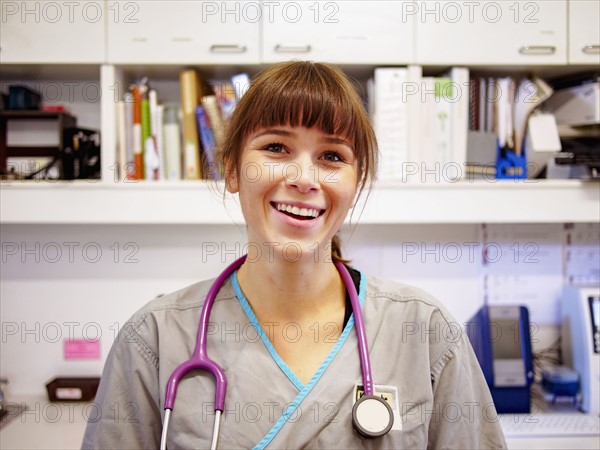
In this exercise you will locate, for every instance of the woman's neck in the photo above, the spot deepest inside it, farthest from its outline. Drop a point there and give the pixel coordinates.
(292, 291)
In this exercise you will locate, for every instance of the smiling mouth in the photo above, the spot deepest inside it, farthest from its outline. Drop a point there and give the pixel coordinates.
(296, 212)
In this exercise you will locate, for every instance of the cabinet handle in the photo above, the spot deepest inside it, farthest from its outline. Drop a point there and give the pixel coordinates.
(140, 39)
(228, 48)
(293, 48)
(537, 50)
(591, 49)
(181, 39)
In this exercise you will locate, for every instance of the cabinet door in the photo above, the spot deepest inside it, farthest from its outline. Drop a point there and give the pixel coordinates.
(348, 32)
(188, 31)
(491, 33)
(52, 32)
(584, 32)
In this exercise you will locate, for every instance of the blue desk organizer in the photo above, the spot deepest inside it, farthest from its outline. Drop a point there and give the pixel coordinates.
(510, 166)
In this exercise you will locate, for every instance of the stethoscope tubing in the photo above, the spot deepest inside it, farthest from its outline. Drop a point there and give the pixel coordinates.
(359, 323)
(201, 361)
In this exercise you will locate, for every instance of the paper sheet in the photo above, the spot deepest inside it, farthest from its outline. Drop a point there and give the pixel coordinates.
(522, 265)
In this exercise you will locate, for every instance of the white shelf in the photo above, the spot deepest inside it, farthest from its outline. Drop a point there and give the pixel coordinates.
(83, 202)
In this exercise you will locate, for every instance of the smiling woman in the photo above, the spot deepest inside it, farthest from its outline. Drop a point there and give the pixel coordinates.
(305, 95)
(316, 353)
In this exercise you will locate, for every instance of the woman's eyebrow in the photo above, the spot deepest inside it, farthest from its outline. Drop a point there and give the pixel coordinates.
(275, 131)
(336, 140)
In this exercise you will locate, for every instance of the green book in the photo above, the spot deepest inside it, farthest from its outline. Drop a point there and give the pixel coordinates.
(146, 129)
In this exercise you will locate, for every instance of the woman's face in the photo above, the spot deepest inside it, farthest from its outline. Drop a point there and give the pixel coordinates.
(296, 186)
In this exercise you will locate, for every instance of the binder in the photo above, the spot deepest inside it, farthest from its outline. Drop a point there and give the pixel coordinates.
(172, 143)
(459, 117)
(191, 95)
(390, 120)
(443, 120)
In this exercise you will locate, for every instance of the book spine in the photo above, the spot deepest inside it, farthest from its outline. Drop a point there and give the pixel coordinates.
(483, 85)
(138, 157)
(211, 106)
(158, 129)
(428, 155)
(208, 141)
(129, 164)
(146, 132)
(241, 83)
(172, 144)
(414, 125)
(391, 120)
(459, 118)
(122, 141)
(443, 92)
(190, 94)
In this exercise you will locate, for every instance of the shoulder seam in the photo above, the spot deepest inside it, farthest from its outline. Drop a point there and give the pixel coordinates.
(186, 306)
(437, 366)
(142, 346)
(406, 298)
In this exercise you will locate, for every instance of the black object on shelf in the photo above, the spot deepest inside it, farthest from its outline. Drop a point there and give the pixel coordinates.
(80, 155)
(72, 389)
(580, 150)
(64, 121)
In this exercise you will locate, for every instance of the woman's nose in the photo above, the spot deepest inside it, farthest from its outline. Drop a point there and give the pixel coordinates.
(302, 174)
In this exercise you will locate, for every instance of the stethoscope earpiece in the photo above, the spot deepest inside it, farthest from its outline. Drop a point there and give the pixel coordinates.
(372, 416)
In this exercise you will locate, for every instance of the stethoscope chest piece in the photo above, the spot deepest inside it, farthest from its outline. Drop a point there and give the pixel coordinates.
(372, 416)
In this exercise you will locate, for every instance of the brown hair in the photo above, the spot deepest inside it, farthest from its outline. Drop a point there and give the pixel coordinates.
(306, 94)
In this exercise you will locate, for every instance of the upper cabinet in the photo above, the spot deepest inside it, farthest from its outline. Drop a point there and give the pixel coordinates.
(584, 32)
(184, 32)
(344, 32)
(52, 32)
(491, 32)
(427, 32)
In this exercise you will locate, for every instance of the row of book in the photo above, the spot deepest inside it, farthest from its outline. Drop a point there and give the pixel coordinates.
(442, 127)
(421, 122)
(175, 141)
(424, 124)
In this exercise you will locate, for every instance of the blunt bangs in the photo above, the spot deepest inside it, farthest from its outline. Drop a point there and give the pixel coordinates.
(305, 99)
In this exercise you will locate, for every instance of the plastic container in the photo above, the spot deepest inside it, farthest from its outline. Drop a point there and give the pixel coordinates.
(560, 381)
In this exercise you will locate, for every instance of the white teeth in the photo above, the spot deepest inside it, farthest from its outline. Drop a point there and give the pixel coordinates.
(304, 212)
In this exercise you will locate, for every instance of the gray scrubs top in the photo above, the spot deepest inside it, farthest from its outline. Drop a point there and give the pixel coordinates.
(421, 360)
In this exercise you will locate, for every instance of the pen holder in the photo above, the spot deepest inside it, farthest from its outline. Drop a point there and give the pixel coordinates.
(510, 166)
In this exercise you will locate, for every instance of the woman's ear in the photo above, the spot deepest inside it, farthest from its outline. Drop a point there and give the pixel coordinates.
(231, 180)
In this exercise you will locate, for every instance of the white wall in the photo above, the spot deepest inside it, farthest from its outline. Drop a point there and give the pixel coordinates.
(56, 285)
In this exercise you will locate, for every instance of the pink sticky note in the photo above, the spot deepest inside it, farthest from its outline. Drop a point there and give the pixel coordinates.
(82, 349)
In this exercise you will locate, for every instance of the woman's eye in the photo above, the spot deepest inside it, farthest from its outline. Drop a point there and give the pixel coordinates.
(332, 157)
(274, 148)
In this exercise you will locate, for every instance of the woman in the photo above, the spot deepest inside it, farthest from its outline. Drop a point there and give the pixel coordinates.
(299, 150)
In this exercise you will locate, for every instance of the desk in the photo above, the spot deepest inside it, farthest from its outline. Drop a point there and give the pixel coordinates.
(542, 410)
(554, 443)
(47, 425)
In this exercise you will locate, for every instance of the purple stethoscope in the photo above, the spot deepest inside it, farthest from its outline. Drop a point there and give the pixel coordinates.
(372, 416)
